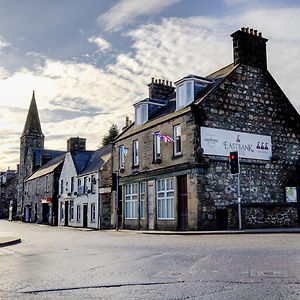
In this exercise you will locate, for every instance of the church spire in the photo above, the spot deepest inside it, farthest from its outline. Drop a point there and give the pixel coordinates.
(32, 124)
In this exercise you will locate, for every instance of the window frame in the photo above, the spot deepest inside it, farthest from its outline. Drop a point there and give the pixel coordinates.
(61, 186)
(71, 216)
(121, 157)
(135, 146)
(78, 212)
(164, 202)
(131, 199)
(93, 212)
(175, 138)
(156, 146)
(142, 199)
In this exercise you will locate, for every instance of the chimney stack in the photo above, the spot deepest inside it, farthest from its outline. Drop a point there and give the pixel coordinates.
(249, 48)
(76, 143)
(160, 88)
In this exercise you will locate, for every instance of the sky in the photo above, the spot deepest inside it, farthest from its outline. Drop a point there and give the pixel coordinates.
(90, 61)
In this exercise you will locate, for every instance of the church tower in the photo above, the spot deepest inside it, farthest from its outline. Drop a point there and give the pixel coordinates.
(32, 137)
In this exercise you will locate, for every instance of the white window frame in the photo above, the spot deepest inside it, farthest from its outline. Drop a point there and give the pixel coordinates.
(142, 195)
(136, 153)
(79, 186)
(165, 198)
(156, 146)
(93, 184)
(72, 184)
(177, 139)
(78, 213)
(141, 114)
(62, 186)
(93, 212)
(131, 198)
(184, 93)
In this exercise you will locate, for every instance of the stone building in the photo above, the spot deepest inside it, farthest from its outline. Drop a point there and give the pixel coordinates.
(8, 192)
(85, 188)
(40, 193)
(172, 161)
(32, 152)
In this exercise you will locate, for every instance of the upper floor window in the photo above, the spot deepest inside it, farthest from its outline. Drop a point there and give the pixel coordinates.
(85, 188)
(177, 140)
(135, 153)
(72, 184)
(79, 186)
(184, 94)
(156, 146)
(62, 186)
(47, 183)
(93, 184)
(141, 114)
(122, 154)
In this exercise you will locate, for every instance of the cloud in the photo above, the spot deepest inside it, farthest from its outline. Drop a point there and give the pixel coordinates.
(235, 2)
(126, 11)
(3, 44)
(102, 44)
(83, 100)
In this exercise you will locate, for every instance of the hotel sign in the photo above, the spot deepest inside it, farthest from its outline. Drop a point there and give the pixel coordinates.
(222, 142)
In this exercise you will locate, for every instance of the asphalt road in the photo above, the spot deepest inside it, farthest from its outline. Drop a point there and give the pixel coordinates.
(67, 263)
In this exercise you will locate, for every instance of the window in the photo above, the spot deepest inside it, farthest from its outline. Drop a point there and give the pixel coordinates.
(136, 153)
(184, 94)
(122, 153)
(67, 186)
(131, 194)
(47, 184)
(85, 188)
(71, 209)
(142, 199)
(177, 140)
(72, 184)
(80, 187)
(62, 210)
(141, 114)
(62, 186)
(93, 212)
(78, 212)
(165, 198)
(156, 146)
(93, 184)
(36, 187)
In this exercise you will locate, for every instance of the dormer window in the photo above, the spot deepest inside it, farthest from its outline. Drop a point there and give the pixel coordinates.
(141, 114)
(188, 88)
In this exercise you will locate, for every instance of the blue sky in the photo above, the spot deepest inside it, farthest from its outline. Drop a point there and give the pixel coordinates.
(89, 61)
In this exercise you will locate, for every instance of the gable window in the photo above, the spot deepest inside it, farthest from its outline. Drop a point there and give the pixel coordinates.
(141, 114)
(142, 199)
(136, 153)
(72, 184)
(131, 196)
(165, 199)
(156, 146)
(93, 212)
(184, 94)
(177, 140)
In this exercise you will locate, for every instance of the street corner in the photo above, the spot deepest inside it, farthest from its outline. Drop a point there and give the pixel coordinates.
(8, 241)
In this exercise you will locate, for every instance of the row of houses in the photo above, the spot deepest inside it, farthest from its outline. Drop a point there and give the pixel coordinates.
(168, 170)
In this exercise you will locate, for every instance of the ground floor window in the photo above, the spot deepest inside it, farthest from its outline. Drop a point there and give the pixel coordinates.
(93, 212)
(62, 210)
(142, 199)
(131, 196)
(78, 212)
(71, 209)
(165, 198)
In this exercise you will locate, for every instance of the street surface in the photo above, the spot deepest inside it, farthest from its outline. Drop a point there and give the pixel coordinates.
(67, 263)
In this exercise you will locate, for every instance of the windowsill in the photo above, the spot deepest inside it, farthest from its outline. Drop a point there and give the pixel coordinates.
(93, 221)
(166, 219)
(130, 218)
(135, 166)
(178, 155)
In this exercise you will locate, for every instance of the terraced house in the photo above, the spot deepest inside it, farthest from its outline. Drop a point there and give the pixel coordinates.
(172, 162)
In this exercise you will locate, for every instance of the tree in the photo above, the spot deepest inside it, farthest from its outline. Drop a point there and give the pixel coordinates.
(110, 136)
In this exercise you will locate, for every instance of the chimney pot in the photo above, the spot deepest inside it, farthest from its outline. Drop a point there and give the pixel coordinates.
(159, 81)
(155, 80)
(167, 82)
(247, 29)
(260, 34)
(243, 29)
(251, 30)
(255, 32)
(152, 79)
(163, 81)
(171, 83)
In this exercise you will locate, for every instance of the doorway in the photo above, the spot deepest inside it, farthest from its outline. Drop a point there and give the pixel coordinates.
(27, 213)
(45, 215)
(85, 215)
(66, 213)
(182, 202)
(222, 219)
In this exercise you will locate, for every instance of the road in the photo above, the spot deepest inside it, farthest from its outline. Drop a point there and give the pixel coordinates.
(67, 263)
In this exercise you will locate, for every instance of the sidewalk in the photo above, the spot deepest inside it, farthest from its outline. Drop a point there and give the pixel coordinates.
(218, 232)
(8, 241)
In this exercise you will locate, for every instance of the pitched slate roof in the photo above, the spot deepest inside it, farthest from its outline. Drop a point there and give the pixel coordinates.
(98, 159)
(39, 153)
(80, 159)
(49, 167)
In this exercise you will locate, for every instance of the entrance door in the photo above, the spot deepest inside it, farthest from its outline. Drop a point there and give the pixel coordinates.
(182, 202)
(222, 219)
(27, 213)
(66, 213)
(85, 215)
(45, 213)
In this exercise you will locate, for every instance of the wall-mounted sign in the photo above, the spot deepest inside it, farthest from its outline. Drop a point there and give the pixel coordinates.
(222, 142)
(291, 194)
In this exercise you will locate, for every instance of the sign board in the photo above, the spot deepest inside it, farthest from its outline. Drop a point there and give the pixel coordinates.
(105, 190)
(46, 200)
(221, 142)
(291, 194)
